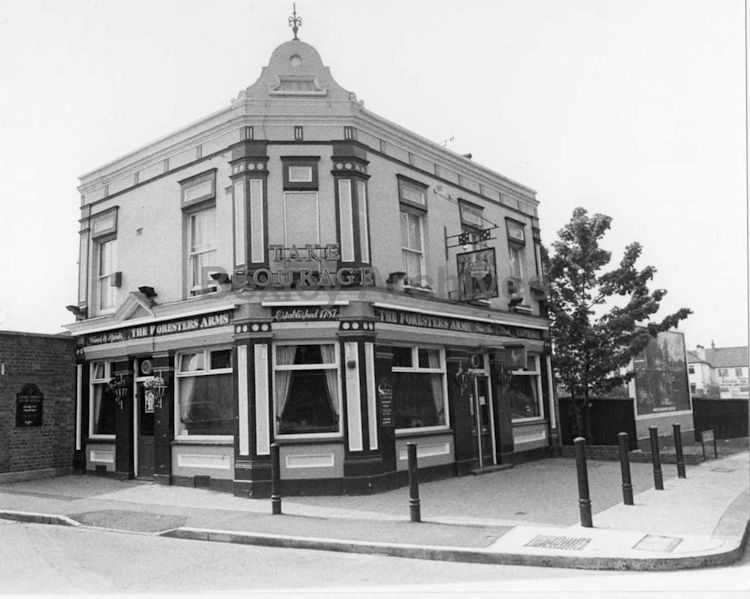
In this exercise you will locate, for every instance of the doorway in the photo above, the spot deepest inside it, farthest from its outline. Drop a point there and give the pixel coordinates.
(483, 420)
(143, 421)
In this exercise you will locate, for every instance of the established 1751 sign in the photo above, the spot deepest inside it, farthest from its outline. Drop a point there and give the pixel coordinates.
(29, 403)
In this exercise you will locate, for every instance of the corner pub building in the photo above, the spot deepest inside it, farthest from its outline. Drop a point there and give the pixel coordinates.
(296, 269)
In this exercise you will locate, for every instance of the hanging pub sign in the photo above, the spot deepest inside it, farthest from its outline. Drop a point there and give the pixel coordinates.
(29, 403)
(477, 275)
(303, 267)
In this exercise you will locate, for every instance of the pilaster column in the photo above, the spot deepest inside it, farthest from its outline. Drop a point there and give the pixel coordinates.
(81, 431)
(254, 407)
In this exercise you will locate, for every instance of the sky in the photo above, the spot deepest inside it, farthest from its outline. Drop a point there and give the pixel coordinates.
(631, 108)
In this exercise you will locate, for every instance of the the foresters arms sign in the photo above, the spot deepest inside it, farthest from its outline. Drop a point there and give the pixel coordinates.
(447, 323)
(160, 329)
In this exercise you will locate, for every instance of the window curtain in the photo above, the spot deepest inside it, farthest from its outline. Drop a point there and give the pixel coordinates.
(328, 353)
(186, 394)
(284, 357)
(436, 381)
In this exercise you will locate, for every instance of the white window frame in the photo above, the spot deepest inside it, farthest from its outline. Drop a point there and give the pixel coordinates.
(415, 368)
(364, 234)
(178, 374)
(104, 279)
(420, 253)
(195, 288)
(298, 367)
(102, 381)
(537, 374)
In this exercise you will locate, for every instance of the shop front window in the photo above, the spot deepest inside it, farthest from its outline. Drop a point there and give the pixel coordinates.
(204, 393)
(419, 395)
(307, 389)
(524, 391)
(102, 407)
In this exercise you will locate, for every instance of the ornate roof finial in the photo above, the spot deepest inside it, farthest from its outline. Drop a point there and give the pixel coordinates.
(295, 22)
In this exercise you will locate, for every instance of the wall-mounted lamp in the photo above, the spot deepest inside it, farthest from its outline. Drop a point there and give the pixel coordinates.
(515, 299)
(77, 311)
(351, 364)
(149, 292)
(221, 278)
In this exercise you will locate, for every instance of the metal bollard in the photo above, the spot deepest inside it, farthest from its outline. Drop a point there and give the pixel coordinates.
(275, 480)
(415, 505)
(584, 500)
(627, 484)
(678, 451)
(656, 458)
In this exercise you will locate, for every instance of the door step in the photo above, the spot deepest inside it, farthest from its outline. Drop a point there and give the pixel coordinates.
(488, 469)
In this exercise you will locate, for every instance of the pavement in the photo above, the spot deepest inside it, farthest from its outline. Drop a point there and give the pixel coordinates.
(526, 515)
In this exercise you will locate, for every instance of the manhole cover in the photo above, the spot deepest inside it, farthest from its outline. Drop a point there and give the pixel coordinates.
(132, 521)
(722, 469)
(657, 543)
(549, 542)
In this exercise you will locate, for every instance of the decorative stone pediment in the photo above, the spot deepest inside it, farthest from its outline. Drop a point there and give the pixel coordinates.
(135, 306)
(295, 70)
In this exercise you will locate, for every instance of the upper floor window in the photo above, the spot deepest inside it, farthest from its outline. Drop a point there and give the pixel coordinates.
(201, 249)
(108, 279)
(412, 246)
(413, 203)
(723, 372)
(691, 370)
(107, 276)
(516, 245)
(199, 207)
(739, 372)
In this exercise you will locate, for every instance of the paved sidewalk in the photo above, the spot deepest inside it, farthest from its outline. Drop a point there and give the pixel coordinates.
(526, 515)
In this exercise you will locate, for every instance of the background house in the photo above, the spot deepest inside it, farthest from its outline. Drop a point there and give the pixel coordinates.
(718, 372)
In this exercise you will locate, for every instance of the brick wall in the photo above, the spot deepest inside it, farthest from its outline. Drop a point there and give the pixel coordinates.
(47, 361)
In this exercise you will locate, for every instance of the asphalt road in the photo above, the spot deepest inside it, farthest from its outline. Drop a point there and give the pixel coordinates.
(45, 559)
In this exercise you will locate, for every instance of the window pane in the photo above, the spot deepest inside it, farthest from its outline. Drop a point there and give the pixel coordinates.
(205, 404)
(523, 397)
(418, 399)
(404, 229)
(307, 401)
(192, 362)
(429, 358)
(402, 357)
(412, 266)
(103, 411)
(202, 230)
(514, 255)
(98, 371)
(221, 359)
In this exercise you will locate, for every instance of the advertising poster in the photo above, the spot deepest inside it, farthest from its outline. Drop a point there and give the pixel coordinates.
(661, 380)
(477, 275)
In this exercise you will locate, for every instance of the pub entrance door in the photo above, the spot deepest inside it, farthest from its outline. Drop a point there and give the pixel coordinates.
(143, 420)
(482, 411)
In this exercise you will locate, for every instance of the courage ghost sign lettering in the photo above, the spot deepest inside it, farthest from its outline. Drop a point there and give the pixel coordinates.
(308, 266)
